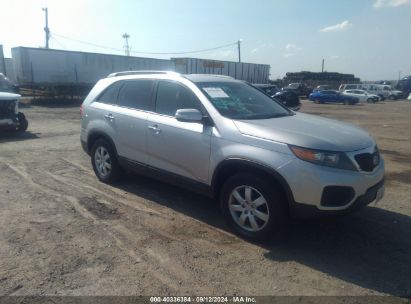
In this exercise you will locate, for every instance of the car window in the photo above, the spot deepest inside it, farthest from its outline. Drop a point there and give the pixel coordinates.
(237, 100)
(110, 94)
(136, 94)
(172, 96)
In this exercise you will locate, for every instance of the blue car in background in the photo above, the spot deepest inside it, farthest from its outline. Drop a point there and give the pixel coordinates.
(332, 96)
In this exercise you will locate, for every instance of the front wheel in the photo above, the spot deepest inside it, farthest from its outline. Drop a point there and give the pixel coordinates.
(253, 208)
(23, 123)
(104, 161)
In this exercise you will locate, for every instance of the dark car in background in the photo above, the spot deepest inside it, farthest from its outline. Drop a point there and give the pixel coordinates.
(331, 96)
(299, 88)
(404, 85)
(321, 87)
(288, 98)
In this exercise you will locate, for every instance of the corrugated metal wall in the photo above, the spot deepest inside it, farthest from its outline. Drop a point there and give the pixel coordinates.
(251, 72)
(2, 61)
(55, 67)
(45, 66)
(9, 69)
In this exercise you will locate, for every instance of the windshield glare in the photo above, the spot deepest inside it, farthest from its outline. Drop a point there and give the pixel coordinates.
(238, 100)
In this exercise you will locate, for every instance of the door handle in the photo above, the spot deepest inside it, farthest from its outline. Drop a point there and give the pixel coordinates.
(155, 128)
(109, 117)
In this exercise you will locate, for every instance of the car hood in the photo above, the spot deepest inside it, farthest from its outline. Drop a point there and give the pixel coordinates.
(9, 96)
(308, 131)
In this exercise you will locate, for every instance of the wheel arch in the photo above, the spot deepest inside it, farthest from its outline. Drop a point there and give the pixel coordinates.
(231, 166)
(94, 136)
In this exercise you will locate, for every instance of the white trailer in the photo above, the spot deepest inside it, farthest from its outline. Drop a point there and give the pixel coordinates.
(251, 72)
(36, 66)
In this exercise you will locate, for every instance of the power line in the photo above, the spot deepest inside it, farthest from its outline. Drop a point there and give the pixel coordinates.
(88, 43)
(58, 42)
(151, 53)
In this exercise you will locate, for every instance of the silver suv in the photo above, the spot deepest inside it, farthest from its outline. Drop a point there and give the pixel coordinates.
(226, 139)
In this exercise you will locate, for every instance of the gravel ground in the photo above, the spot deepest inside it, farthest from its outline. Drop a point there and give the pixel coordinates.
(64, 233)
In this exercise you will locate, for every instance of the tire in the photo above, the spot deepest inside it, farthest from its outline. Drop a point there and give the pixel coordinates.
(268, 220)
(370, 100)
(104, 162)
(347, 102)
(392, 97)
(23, 123)
(317, 101)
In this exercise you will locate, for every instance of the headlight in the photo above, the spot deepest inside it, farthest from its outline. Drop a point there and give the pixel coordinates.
(324, 158)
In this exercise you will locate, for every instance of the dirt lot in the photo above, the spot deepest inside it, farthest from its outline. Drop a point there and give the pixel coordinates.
(62, 232)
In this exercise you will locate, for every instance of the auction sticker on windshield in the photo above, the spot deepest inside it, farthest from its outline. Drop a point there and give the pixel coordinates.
(216, 93)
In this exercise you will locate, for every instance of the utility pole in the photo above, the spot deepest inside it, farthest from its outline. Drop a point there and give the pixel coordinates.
(322, 67)
(46, 28)
(239, 50)
(126, 46)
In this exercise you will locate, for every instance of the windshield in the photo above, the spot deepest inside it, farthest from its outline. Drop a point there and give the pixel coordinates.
(238, 100)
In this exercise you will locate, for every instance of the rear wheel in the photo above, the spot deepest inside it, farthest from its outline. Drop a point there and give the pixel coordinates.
(104, 161)
(23, 123)
(253, 208)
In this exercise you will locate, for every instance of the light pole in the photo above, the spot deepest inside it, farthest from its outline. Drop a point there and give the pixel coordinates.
(126, 46)
(239, 50)
(46, 28)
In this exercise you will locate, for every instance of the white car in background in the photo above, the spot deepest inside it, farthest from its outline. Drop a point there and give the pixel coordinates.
(362, 95)
(409, 97)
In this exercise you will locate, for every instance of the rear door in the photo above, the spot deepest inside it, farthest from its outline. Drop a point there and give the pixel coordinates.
(182, 148)
(130, 119)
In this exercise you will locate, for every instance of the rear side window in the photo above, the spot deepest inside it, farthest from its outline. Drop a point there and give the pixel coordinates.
(110, 94)
(172, 96)
(136, 94)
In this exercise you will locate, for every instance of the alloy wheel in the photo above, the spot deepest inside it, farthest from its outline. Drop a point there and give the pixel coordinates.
(249, 208)
(102, 161)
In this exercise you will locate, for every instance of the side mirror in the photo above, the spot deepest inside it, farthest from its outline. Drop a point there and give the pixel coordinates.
(189, 115)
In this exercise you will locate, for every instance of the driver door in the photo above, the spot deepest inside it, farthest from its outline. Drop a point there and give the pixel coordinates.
(182, 148)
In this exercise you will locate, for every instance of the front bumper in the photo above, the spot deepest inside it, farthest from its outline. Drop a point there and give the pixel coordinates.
(304, 211)
(8, 123)
(308, 183)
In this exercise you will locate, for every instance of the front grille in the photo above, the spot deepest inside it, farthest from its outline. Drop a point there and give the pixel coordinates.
(368, 161)
(7, 107)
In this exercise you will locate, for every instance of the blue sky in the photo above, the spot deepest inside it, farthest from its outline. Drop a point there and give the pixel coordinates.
(370, 38)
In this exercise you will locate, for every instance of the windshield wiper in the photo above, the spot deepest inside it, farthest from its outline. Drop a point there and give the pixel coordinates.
(264, 116)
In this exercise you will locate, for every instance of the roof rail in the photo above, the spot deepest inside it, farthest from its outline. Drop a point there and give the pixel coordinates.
(126, 73)
(219, 75)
